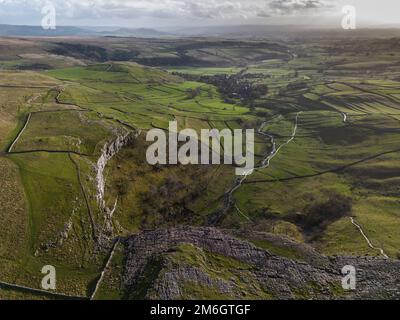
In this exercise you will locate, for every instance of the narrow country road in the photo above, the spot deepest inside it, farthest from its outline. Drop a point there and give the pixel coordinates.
(228, 197)
(367, 239)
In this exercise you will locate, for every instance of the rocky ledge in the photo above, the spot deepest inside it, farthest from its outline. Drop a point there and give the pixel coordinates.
(208, 263)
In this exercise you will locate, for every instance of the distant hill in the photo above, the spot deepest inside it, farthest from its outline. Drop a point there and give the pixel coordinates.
(241, 31)
(284, 31)
(38, 31)
(141, 33)
(32, 31)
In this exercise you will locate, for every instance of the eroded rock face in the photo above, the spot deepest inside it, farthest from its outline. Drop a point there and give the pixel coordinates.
(258, 273)
(109, 150)
(107, 153)
(376, 278)
(139, 248)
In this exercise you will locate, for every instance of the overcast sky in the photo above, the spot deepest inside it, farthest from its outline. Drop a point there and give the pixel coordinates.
(163, 13)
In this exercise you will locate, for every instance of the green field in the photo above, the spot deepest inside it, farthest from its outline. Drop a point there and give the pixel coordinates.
(334, 119)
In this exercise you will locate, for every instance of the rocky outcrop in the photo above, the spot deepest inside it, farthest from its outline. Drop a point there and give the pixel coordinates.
(377, 278)
(258, 273)
(145, 245)
(168, 286)
(108, 151)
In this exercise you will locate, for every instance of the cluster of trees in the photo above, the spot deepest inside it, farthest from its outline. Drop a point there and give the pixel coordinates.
(170, 200)
(80, 51)
(193, 93)
(234, 87)
(316, 217)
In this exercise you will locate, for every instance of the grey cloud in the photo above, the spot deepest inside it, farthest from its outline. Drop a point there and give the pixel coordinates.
(173, 9)
(295, 6)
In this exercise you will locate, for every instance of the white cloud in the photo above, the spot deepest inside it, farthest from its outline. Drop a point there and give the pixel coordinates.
(159, 12)
(295, 6)
(211, 9)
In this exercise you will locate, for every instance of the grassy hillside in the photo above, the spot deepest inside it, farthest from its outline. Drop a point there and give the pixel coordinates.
(329, 117)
